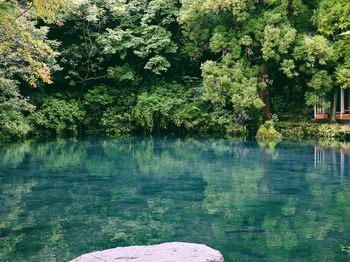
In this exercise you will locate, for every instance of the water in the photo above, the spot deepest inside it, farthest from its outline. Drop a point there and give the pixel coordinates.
(62, 198)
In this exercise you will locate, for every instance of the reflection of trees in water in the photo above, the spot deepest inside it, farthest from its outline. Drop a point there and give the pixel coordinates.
(13, 154)
(11, 216)
(75, 196)
(269, 147)
(266, 217)
(337, 154)
(100, 195)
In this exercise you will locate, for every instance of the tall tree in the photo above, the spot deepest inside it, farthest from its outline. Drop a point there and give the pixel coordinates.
(272, 44)
(332, 19)
(25, 54)
(250, 44)
(24, 47)
(117, 39)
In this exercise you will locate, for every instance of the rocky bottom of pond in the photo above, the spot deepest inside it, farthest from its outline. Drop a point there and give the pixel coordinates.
(167, 252)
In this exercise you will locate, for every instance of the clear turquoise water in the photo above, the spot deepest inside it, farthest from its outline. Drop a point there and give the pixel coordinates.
(62, 198)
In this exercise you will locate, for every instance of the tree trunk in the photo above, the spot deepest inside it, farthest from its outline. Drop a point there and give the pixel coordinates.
(265, 97)
(334, 107)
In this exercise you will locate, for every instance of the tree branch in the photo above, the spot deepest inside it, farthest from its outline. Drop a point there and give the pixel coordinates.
(24, 12)
(92, 78)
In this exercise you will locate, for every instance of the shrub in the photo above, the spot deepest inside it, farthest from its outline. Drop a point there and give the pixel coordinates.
(13, 125)
(330, 132)
(268, 132)
(305, 130)
(13, 109)
(236, 130)
(173, 106)
(223, 121)
(117, 123)
(157, 108)
(58, 117)
(191, 117)
(99, 103)
(335, 131)
(95, 101)
(298, 131)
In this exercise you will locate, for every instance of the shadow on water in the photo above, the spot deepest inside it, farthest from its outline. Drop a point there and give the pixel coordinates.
(253, 202)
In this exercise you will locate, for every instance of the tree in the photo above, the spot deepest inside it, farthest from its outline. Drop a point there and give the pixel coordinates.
(24, 48)
(13, 108)
(251, 43)
(25, 54)
(118, 40)
(332, 19)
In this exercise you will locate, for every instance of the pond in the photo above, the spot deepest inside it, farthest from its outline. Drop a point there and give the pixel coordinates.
(62, 198)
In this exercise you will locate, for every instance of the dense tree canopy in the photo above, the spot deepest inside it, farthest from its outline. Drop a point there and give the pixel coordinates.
(197, 66)
(25, 50)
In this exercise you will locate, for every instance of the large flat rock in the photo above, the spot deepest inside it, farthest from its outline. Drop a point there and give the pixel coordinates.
(167, 252)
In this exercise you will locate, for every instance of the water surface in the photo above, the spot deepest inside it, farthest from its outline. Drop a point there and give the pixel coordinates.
(62, 198)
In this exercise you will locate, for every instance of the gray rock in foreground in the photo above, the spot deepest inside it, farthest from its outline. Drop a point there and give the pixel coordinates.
(167, 252)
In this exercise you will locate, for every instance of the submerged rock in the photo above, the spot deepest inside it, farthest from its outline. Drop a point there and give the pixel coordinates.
(167, 252)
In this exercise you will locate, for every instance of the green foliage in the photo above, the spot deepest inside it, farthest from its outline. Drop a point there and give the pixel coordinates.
(237, 85)
(13, 125)
(123, 73)
(333, 132)
(10, 96)
(58, 117)
(343, 75)
(321, 83)
(248, 36)
(306, 130)
(13, 108)
(190, 66)
(98, 98)
(223, 122)
(288, 68)
(24, 47)
(107, 107)
(297, 131)
(237, 130)
(116, 123)
(129, 36)
(191, 117)
(277, 41)
(331, 19)
(314, 50)
(268, 132)
(157, 64)
(96, 101)
(155, 109)
(332, 16)
(195, 118)
(342, 72)
(176, 108)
